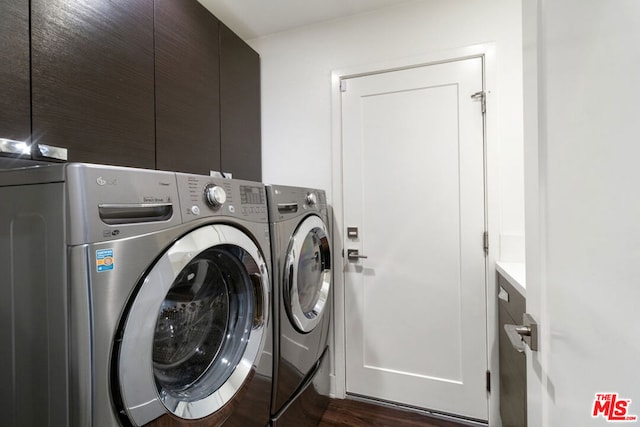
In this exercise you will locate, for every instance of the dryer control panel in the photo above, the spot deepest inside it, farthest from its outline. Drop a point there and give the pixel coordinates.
(202, 196)
(287, 202)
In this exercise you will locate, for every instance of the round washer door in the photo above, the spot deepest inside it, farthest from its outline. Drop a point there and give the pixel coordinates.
(195, 330)
(307, 278)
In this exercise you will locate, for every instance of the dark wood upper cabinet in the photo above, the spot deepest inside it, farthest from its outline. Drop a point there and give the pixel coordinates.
(154, 84)
(239, 107)
(93, 79)
(187, 87)
(15, 103)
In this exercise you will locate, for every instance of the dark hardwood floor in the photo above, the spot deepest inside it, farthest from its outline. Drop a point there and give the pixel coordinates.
(355, 413)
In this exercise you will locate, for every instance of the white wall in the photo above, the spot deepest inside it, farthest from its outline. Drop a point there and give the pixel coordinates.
(296, 87)
(583, 207)
(297, 128)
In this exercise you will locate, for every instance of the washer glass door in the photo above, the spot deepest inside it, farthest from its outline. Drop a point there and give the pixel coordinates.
(307, 278)
(195, 330)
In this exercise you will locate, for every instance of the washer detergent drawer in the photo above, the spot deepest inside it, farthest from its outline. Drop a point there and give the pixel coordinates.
(105, 202)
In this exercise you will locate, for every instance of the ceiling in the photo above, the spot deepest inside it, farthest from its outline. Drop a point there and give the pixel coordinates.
(257, 18)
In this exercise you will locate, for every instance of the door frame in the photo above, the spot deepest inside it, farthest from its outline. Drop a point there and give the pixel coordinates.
(492, 199)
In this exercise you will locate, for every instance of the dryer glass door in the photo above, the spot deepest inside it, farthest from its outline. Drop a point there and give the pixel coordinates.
(198, 325)
(307, 278)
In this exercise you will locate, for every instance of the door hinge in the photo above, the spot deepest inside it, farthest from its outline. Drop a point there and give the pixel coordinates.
(488, 381)
(343, 85)
(482, 97)
(485, 242)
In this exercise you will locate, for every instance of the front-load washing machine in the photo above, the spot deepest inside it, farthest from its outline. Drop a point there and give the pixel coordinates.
(301, 257)
(133, 297)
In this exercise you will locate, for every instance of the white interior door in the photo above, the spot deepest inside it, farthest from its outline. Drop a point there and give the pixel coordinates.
(414, 187)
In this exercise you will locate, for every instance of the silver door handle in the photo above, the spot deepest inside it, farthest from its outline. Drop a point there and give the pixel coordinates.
(519, 335)
(354, 255)
(515, 333)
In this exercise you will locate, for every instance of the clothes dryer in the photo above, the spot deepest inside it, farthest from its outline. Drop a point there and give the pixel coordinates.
(135, 297)
(302, 277)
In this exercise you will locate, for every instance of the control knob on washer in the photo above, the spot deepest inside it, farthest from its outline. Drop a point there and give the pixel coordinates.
(311, 199)
(215, 195)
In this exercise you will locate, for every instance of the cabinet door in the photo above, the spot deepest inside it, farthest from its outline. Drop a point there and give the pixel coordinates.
(513, 365)
(15, 109)
(240, 107)
(187, 91)
(92, 79)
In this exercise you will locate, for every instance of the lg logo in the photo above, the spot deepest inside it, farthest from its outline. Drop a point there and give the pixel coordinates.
(101, 181)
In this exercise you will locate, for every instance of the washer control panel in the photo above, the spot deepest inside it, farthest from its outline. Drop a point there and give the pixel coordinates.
(202, 196)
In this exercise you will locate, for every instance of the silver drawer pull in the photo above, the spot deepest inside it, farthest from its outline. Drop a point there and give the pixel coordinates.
(133, 213)
(287, 207)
